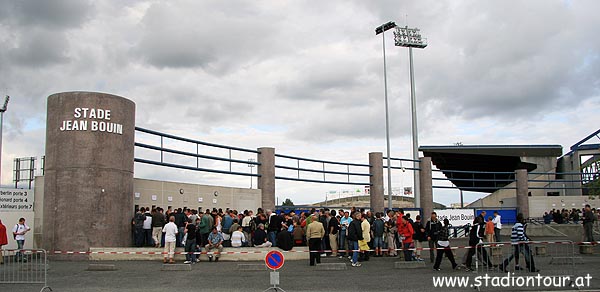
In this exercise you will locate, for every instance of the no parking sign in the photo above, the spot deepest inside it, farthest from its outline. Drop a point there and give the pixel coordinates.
(274, 260)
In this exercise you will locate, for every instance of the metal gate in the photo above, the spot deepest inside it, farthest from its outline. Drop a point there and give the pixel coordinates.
(552, 260)
(24, 266)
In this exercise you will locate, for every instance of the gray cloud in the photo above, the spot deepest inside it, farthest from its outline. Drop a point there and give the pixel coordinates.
(55, 14)
(201, 36)
(489, 64)
(35, 32)
(39, 49)
(307, 77)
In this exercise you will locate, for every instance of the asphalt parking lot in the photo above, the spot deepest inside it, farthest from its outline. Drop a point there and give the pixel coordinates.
(378, 274)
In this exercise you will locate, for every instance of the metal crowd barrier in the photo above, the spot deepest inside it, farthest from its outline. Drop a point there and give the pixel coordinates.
(551, 258)
(24, 266)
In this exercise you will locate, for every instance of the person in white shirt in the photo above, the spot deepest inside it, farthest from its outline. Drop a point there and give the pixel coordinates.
(497, 225)
(19, 232)
(148, 241)
(237, 238)
(246, 228)
(170, 231)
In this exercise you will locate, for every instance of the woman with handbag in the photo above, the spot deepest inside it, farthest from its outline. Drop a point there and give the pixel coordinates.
(390, 226)
(363, 244)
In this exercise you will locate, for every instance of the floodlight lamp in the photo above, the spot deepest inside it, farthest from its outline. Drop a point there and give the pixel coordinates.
(384, 27)
(5, 106)
(409, 37)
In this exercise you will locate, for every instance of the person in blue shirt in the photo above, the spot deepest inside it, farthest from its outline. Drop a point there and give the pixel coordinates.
(342, 242)
(215, 241)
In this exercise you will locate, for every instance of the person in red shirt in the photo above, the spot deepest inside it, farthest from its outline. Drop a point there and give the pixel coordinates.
(406, 231)
(399, 215)
(3, 241)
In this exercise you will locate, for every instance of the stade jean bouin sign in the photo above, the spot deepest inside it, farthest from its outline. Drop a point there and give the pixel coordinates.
(91, 119)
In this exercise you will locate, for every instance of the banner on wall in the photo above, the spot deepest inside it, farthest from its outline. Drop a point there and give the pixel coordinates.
(457, 217)
(16, 200)
(507, 215)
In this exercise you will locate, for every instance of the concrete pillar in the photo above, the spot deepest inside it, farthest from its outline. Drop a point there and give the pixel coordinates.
(522, 192)
(266, 180)
(88, 185)
(426, 184)
(376, 180)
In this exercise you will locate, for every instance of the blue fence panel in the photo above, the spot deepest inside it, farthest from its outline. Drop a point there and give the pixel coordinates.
(508, 215)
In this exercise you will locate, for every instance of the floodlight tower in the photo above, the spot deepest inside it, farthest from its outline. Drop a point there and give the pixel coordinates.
(381, 30)
(411, 38)
(2, 110)
(251, 165)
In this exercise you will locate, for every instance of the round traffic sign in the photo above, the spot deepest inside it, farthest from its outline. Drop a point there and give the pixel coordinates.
(274, 260)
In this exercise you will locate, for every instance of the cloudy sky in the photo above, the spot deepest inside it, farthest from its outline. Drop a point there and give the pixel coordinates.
(306, 77)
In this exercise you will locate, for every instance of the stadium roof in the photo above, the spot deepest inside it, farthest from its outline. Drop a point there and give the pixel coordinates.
(461, 164)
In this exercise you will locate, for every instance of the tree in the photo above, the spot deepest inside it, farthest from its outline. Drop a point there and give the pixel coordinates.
(287, 202)
(594, 188)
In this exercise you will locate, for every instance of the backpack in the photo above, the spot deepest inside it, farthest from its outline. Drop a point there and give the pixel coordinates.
(417, 234)
(17, 228)
(378, 227)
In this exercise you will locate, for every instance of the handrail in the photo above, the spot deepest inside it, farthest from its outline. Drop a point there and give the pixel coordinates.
(193, 168)
(323, 181)
(402, 159)
(322, 171)
(474, 188)
(195, 141)
(194, 154)
(473, 179)
(473, 172)
(321, 161)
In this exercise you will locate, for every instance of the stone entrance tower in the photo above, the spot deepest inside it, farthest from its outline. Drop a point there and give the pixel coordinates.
(88, 186)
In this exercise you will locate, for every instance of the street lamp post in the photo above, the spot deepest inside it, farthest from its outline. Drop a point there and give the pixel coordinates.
(381, 30)
(411, 38)
(2, 110)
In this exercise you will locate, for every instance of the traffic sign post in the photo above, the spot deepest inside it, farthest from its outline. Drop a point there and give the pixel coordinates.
(274, 261)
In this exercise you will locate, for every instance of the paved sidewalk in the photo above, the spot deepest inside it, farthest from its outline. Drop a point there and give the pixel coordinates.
(376, 275)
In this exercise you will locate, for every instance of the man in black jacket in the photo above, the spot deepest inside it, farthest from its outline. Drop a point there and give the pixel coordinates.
(475, 237)
(158, 222)
(260, 237)
(333, 226)
(588, 223)
(180, 221)
(274, 226)
(419, 236)
(432, 229)
(284, 238)
(354, 235)
(138, 224)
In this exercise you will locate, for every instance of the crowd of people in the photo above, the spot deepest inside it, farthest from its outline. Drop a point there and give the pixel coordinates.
(356, 234)
(566, 216)
(587, 216)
